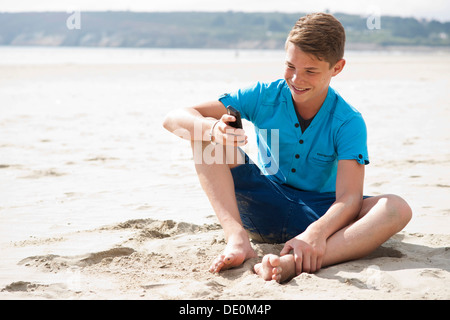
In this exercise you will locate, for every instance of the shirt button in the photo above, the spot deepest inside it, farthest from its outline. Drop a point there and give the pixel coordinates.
(301, 141)
(297, 156)
(297, 125)
(360, 156)
(293, 170)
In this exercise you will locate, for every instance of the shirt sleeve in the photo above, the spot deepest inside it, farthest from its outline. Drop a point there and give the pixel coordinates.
(352, 140)
(244, 100)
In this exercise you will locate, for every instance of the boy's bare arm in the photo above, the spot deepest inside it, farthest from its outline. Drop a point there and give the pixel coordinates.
(349, 196)
(196, 124)
(309, 247)
(184, 121)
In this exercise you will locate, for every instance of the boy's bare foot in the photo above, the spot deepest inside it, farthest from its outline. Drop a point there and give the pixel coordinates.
(235, 253)
(273, 267)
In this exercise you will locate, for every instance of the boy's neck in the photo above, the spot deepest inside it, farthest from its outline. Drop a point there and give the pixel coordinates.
(309, 109)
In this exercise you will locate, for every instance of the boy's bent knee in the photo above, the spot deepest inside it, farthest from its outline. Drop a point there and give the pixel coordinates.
(206, 153)
(399, 210)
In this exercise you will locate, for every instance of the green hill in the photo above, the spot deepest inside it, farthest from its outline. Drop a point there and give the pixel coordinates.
(203, 30)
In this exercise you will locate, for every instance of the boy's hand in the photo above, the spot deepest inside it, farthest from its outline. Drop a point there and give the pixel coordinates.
(227, 135)
(308, 250)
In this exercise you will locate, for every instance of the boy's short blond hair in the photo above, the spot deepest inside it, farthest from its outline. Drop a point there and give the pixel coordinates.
(321, 35)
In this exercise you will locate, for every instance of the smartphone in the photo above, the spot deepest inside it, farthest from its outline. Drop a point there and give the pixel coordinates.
(238, 123)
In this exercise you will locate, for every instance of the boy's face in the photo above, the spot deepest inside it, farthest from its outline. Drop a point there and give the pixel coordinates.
(308, 77)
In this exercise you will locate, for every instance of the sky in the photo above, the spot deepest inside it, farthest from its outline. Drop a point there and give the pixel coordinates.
(421, 9)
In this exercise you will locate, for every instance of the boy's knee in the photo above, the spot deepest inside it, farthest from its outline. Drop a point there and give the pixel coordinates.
(206, 153)
(399, 210)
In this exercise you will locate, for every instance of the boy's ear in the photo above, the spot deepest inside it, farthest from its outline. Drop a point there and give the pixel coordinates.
(338, 67)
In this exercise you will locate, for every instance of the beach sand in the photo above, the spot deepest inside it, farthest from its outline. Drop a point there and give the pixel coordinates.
(98, 201)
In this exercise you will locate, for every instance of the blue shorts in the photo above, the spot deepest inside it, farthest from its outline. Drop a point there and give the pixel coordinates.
(275, 213)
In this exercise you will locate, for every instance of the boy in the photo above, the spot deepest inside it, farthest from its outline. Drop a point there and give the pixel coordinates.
(307, 189)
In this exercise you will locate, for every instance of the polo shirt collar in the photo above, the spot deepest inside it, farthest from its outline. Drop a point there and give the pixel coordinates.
(324, 109)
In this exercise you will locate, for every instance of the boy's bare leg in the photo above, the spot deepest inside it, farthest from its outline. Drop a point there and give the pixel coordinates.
(380, 218)
(217, 182)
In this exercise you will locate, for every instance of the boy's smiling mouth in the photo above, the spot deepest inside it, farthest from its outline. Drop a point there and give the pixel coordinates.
(298, 90)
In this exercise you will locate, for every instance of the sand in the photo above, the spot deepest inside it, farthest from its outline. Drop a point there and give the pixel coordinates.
(97, 201)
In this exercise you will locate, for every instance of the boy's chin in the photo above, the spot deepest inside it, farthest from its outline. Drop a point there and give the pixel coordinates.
(302, 97)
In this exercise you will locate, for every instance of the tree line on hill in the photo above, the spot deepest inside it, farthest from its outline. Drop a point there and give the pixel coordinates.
(235, 30)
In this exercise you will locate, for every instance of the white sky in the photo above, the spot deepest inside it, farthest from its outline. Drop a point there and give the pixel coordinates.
(431, 9)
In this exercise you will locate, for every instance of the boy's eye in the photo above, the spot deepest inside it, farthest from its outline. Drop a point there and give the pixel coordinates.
(310, 72)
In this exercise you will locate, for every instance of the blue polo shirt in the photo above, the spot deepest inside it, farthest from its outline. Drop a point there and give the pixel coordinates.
(308, 160)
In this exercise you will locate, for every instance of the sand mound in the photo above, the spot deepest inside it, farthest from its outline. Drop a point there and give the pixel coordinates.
(164, 259)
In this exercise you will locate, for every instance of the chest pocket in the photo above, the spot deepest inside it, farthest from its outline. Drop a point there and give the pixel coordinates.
(323, 159)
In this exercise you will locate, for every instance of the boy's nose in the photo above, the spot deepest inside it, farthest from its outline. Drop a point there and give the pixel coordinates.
(297, 80)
